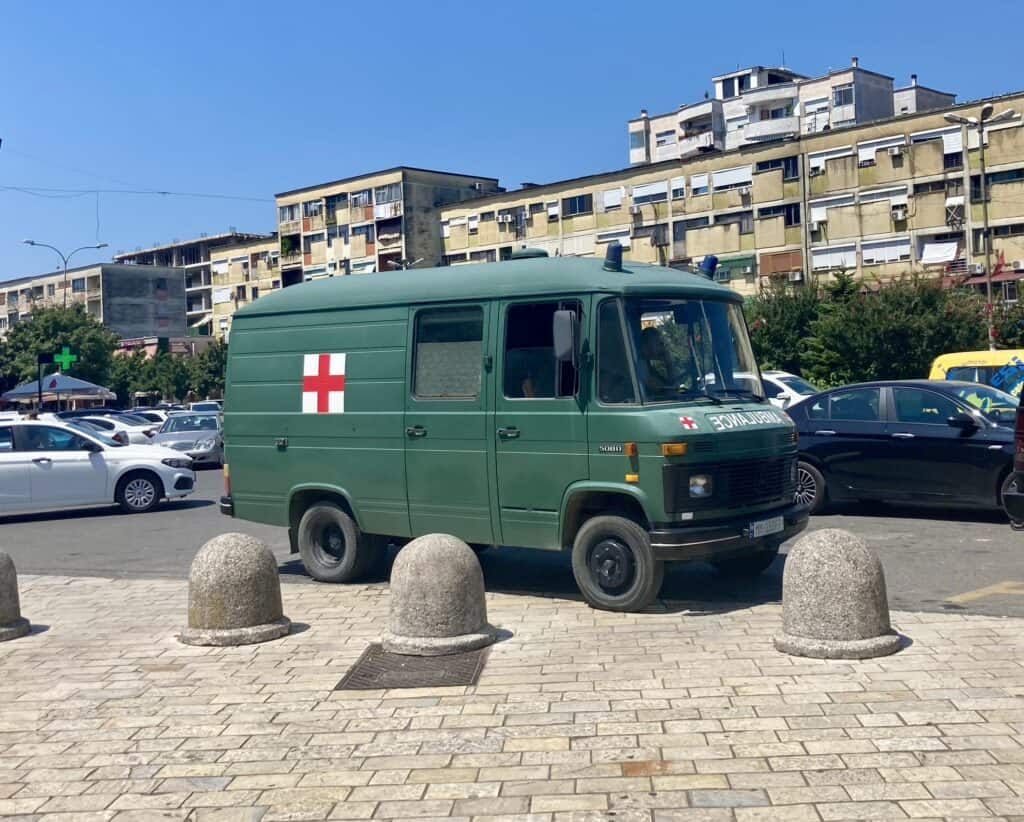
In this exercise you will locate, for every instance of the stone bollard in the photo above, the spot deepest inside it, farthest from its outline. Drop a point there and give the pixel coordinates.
(834, 604)
(12, 625)
(437, 599)
(234, 594)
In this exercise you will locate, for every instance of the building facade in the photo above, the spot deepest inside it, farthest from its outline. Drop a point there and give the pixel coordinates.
(239, 277)
(196, 257)
(373, 222)
(130, 300)
(879, 200)
(758, 104)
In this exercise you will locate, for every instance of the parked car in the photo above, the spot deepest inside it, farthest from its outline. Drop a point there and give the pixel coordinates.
(948, 443)
(1013, 496)
(198, 435)
(1002, 369)
(58, 464)
(780, 387)
(206, 405)
(100, 411)
(123, 428)
(152, 414)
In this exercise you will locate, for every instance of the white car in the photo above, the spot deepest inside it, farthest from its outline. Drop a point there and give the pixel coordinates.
(122, 430)
(54, 465)
(785, 389)
(154, 415)
(206, 405)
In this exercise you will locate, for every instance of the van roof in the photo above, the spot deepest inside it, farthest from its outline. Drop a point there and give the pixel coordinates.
(1001, 356)
(510, 278)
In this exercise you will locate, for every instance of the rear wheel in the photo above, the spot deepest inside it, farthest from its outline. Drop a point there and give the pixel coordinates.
(810, 487)
(139, 492)
(1008, 483)
(614, 564)
(747, 566)
(331, 546)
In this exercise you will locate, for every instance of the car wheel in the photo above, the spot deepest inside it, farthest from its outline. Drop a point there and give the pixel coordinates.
(1004, 486)
(331, 545)
(139, 492)
(810, 487)
(747, 566)
(614, 565)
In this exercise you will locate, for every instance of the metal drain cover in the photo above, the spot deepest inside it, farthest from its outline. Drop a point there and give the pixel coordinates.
(377, 669)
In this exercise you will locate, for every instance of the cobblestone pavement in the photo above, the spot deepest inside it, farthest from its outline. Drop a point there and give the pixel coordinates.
(675, 714)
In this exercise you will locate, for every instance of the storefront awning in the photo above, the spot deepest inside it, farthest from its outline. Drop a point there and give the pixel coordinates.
(1001, 277)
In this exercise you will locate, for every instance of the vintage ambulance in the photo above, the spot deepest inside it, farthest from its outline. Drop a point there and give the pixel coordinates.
(569, 404)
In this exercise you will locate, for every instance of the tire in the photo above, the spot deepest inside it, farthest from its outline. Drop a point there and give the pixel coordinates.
(331, 546)
(614, 565)
(1007, 482)
(750, 565)
(139, 492)
(810, 487)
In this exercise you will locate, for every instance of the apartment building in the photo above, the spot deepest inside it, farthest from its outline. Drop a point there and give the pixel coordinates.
(372, 222)
(761, 104)
(882, 199)
(131, 301)
(196, 258)
(239, 277)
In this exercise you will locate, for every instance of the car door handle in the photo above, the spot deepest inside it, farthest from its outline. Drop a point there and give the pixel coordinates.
(903, 435)
(509, 433)
(42, 460)
(416, 431)
(825, 433)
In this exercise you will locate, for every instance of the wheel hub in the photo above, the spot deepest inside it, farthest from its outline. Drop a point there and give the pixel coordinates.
(332, 543)
(806, 488)
(612, 565)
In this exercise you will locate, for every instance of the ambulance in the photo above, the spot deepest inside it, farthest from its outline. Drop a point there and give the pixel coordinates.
(610, 410)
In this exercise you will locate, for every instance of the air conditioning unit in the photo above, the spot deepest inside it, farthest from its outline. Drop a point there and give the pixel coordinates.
(748, 269)
(976, 269)
(795, 276)
(744, 191)
(895, 151)
(899, 213)
(816, 225)
(816, 171)
(634, 209)
(1017, 265)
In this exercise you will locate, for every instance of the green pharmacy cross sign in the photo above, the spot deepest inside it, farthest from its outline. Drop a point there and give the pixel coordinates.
(65, 358)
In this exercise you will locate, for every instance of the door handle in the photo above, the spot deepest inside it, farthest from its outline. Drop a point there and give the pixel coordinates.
(509, 433)
(825, 433)
(42, 460)
(416, 431)
(903, 435)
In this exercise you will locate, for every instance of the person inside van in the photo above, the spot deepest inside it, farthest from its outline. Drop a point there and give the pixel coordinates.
(655, 366)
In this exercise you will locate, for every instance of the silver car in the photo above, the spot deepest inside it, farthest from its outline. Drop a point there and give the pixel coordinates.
(201, 436)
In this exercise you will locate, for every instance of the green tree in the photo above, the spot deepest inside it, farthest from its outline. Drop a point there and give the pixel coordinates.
(208, 370)
(47, 330)
(780, 318)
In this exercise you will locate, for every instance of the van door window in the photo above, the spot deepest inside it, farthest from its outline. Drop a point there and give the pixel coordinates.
(614, 381)
(448, 362)
(531, 371)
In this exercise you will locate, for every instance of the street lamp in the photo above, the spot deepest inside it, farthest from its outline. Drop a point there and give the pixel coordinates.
(65, 259)
(985, 118)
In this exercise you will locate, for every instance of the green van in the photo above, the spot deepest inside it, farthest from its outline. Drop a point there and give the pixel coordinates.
(568, 404)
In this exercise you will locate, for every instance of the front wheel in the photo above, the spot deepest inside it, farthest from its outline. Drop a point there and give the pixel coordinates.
(614, 565)
(1006, 485)
(139, 492)
(810, 487)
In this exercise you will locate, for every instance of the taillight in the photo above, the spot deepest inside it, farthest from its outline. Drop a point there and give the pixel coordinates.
(150, 432)
(227, 480)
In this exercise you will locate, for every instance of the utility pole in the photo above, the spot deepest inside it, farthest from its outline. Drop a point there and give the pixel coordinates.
(978, 123)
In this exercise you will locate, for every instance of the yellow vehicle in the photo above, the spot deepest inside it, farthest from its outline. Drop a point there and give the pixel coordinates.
(1000, 369)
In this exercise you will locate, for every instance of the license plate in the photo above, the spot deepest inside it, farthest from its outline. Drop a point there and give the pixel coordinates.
(764, 527)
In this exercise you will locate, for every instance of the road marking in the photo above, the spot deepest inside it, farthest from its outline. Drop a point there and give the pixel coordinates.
(1007, 587)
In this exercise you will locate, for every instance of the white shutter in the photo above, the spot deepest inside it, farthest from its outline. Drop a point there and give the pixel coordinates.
(650, 189)
(935, 253)
(678, 184)
(221, 295)
(457, 221)
(579, 244)
(817, 160)
(741, 175)
(819, 208)
(552, 209)
(473, 222)
(446, 229)
(896, 196)
(866, 151)
(219, 267)
(698, 181)
(835, 257)
(612, 198)
(953, 142)
(622, 236)
(885, 251)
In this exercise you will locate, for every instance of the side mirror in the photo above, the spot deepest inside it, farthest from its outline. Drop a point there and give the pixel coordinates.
(964, 421)
(566, 332)
(93, 447)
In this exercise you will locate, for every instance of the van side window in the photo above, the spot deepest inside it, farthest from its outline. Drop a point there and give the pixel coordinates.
(448, 361)
(6, 438)
(614, 384)
(531, 371)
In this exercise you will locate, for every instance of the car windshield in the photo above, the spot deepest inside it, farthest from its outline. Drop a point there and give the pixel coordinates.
(1009, 377)
(94, 433)
(189, 423)
(691, 349)
(799, 385)
(996, 405)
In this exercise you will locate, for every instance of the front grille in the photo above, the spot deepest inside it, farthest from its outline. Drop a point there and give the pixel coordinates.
(735, 484)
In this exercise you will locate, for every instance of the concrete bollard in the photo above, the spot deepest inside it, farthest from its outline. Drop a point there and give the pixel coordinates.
(234, 594)
(12, 625)
(437, 599)
(834, 603)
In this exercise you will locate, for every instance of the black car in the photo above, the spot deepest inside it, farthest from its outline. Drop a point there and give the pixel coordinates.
(919, 441)
(1013, 496)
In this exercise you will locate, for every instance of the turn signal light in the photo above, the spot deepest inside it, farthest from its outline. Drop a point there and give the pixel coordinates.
(673, 449)
(629, 449)
(632, 478)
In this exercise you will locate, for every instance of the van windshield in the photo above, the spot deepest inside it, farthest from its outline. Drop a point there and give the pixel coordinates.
(690, 350)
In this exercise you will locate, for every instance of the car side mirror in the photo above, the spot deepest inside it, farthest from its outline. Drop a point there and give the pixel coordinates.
(964, 421)
(566, 333)
(93, 447)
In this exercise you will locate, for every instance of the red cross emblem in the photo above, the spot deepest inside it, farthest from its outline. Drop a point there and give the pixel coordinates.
(688, 423)
(323, 384)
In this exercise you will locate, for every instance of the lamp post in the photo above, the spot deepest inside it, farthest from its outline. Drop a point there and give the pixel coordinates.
(978, 123)
(65, 259)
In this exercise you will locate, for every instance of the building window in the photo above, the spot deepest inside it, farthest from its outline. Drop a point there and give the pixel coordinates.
(886, 251)
(699, 185)
(842, 95)
(951, 162)
(312, 208)
(473, 225)
(790, 167)
(744, 218)
(552, 211)
(530, 370)
(51, 290)
(650, 193)
(391, 193)
(361, 199)
(790, 211)
(78, 285)
(665, 138)
(486, 216)
(580, 204)
(637, 140)
(275, 284)
(612, 199)
(536, 208)
(286, 214)
(448, 361)
(728, 88)
(453, 259)
(488, 256)
(678, 187)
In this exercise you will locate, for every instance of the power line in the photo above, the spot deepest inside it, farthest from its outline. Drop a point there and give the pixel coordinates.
(58, 193)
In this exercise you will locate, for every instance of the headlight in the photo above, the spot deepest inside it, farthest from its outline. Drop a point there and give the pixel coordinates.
(177, 462)
(206, 445)
(700, 485)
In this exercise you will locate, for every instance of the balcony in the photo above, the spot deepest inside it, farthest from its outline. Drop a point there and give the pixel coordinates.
(289, 227)
(385, 211)
(772, 129)
(706, 109)
(696, 143)
(360, 213)
(782, 93)
(314, 223)
(295, 258)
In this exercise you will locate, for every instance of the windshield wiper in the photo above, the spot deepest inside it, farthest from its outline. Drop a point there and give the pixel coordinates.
(739, 392)
(700, 395)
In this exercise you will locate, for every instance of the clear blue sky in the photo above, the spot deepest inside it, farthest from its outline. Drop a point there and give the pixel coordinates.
(251, 98)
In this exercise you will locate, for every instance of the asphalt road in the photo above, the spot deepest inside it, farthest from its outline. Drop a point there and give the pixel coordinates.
(944, 560)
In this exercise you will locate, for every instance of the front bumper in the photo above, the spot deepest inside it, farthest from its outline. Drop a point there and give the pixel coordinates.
(1013, 500)
(182, 484)
(724, 538)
